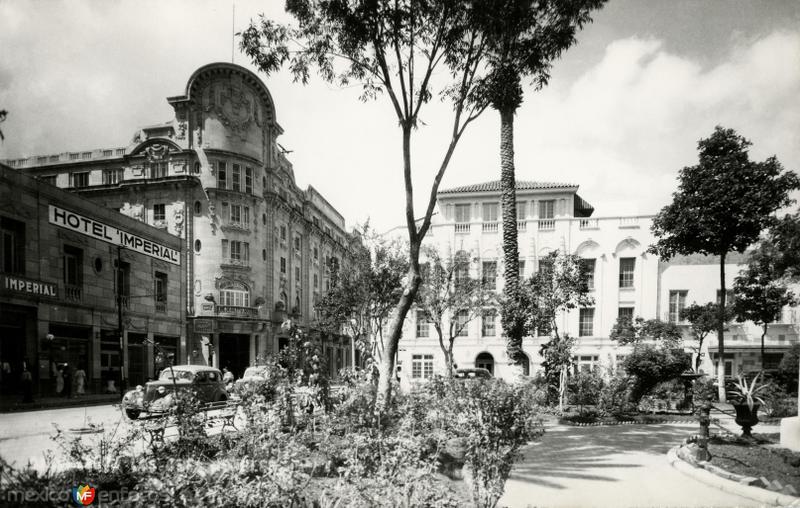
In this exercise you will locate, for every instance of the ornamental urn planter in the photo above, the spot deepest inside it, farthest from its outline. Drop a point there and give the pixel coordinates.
(746, 417)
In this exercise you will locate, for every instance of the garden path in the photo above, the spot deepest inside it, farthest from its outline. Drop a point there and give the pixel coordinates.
(617, 466)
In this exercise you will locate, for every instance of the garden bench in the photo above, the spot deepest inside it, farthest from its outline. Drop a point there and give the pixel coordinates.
(155, 424)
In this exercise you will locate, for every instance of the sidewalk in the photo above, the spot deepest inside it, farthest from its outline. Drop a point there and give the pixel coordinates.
(609, 466)
(13, 403)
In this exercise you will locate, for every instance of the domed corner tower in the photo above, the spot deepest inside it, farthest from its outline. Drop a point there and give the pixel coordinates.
(227, 118)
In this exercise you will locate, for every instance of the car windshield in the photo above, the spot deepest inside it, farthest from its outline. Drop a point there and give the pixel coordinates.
(180, 375)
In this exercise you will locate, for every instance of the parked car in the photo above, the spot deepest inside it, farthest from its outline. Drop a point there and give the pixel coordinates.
(477, 373)
(156, 396)
(250, 380)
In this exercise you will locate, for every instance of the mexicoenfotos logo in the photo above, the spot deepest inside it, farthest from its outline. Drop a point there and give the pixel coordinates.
(83, 495)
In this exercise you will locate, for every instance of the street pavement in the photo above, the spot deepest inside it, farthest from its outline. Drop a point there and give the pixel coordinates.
(610, 466)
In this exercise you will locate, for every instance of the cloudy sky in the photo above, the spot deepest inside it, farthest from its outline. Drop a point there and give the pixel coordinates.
(622, 114)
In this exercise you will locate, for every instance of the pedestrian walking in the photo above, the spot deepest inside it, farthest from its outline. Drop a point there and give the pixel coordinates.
(27, 385)
(227, 377)
(67, 381)
(59, 374)
(80, 381)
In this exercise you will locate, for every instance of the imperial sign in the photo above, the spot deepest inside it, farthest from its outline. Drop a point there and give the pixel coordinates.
(112, 235)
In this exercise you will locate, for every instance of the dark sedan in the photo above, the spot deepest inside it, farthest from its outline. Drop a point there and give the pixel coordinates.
(157, 396)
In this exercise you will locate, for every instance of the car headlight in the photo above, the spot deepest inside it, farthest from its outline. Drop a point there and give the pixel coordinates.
(162, 390)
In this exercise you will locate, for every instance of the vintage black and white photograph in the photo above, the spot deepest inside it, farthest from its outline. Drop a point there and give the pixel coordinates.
(399, 253)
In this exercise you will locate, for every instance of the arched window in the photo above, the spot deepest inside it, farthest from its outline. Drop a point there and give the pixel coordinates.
(197, 207)
(235, 294)
(196, 168)
(197, 245)
(485, 361)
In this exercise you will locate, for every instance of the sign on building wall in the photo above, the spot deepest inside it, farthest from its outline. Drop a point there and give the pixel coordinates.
(110, 234)
(14, 284)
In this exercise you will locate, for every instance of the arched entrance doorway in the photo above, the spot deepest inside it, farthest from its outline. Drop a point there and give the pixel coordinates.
(485, 361)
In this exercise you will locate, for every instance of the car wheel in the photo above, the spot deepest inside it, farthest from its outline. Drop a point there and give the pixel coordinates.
(132, 413)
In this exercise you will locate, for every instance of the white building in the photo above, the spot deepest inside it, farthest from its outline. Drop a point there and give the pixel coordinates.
(627, 280)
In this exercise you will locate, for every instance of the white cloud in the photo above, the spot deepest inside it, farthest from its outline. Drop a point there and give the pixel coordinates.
(92, 72)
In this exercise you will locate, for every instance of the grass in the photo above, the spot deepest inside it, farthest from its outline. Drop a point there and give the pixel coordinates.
(754, 457)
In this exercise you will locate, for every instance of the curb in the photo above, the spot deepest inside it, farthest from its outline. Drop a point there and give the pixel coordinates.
(626, 422)
(730, 486)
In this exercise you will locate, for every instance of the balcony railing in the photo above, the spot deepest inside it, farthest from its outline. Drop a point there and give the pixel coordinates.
(490, 227)
(243, 226)
(589, 224)
(73, 293)
(629, 222)
(462, 227)
(244, 263)
(547, 224)
(233, 310)
(522, 225)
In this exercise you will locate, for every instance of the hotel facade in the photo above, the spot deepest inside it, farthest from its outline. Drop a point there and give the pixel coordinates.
(256, 246)
(624, 280)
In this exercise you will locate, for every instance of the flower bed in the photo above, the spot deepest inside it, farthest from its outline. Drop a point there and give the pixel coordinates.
(755, 458)
(595, 419)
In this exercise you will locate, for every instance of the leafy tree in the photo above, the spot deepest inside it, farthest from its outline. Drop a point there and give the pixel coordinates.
(651, 364)
(788, 368)
(407, 51)
(363, 292)
(760, 293)
(556, 361)
(722, 204)
(521, 41)
(448, 289)
(557, 287)
(782, 245)
(703, 320)
(634, 332)
(585, 388)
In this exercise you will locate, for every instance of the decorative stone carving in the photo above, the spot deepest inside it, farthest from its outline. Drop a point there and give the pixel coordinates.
(157, 152)
(137, 170)
(235, 109)
(181, 130)
(179, 166)
(198, 287)
(177, 218)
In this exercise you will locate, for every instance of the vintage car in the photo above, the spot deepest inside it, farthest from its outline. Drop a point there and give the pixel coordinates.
(252, 378)
(476, 373)
(156, 396)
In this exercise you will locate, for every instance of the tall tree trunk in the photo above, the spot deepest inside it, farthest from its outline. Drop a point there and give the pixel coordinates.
(512, 318)
(386, 370)
(764, 333)
(721, 332)
(446, 351)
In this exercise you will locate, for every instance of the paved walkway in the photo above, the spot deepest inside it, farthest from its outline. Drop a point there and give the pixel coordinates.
(609, 466)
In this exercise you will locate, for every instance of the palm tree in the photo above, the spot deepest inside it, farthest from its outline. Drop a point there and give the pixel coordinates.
(522, 39)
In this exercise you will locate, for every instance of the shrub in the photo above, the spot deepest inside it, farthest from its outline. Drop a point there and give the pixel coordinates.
(614, 397)
(584, 389)
(777, 402)
(651, 365)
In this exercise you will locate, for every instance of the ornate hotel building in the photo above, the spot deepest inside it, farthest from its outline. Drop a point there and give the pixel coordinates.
(625, 280)
(215, 176)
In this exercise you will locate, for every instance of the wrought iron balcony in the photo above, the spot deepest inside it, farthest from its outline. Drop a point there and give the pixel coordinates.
(73, 293)
(237, 311)
(244, 263)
